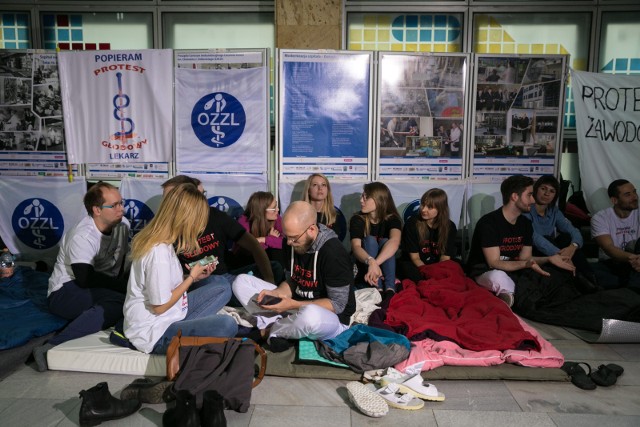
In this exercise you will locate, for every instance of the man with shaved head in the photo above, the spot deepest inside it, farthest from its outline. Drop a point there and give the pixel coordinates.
(316, 299)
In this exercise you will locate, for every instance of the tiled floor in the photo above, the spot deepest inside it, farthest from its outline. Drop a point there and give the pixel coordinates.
(30, 398)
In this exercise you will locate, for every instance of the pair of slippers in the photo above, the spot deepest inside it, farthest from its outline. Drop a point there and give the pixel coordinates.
(376, 402)
(604, 376)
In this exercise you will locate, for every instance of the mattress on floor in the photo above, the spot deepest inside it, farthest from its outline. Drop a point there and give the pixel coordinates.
(94, 353)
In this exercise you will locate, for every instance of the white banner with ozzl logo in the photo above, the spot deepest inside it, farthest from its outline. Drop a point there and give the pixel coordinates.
(36, 212)
(117, 105)
(142, 199)
(221, 120)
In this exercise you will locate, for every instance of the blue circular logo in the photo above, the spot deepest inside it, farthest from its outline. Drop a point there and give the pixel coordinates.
(138, 214)
(218, 119)
(227, 205)
(411, 209)
(38, 223)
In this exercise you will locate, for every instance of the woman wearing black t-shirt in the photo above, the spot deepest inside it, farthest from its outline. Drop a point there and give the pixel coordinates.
(375, 237)
(429, 236)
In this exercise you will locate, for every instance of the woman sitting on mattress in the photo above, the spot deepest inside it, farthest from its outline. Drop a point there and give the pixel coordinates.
(427, 237)
(157, 303)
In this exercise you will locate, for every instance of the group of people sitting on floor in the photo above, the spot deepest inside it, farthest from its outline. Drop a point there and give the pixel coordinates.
(301, 276)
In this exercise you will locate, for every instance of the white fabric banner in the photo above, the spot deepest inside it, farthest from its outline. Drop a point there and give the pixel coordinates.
(229, 193)
(221, 120)
(117, 105)
(36, 212)
(142, 199)
(608, 130)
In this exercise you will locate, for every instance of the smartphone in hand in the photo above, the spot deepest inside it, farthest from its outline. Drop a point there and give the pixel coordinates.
(268, 300)
(205, 261)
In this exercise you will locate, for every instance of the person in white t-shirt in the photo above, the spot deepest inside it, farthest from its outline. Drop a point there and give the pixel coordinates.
(616, 231)
(90, 275)
(157, 305)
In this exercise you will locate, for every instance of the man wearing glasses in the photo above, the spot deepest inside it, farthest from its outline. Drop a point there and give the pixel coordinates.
(89, 279)
(317, 300)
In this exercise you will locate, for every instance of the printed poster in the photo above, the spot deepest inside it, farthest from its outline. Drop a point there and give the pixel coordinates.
(117, 105)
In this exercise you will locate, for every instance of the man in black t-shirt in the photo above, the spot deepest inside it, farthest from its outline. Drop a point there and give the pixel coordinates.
(319, 291)
(220, 229)
(502, 241)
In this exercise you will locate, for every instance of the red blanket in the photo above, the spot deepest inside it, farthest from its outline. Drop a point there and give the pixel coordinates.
(453, 306)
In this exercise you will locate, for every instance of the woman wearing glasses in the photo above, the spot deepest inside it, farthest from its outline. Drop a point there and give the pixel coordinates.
(262, 219)
(375, 237)
(157, 303)
(429, 236)
(317, 191)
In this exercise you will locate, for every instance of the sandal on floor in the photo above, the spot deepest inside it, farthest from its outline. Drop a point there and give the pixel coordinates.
(603, 376)
(393, 376)
(419, 388)
(579, 377)
(391, 393)
(366, 400)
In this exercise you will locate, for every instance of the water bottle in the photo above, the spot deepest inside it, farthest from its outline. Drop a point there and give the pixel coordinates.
(7, 263)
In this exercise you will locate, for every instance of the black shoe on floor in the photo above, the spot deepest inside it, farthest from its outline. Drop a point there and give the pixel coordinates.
(278, 345)
(146, 390)
(98, 405)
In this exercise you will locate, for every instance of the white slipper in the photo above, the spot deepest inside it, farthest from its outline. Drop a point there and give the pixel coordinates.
(419, 388)
(393, 376)
(366, 400)
(391, 393)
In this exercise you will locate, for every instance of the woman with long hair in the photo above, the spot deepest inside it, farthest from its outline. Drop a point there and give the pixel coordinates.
(429, 236)
(375, 237)
(262, 219)
(157, 304)
(317, 191)
(554, 234)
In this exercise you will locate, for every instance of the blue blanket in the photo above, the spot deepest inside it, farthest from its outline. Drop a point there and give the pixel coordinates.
(24, 312)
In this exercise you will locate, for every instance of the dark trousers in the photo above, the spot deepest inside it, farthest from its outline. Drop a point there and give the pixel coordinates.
(89, 310)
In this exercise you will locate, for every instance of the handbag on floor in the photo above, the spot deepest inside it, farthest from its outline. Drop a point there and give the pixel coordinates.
(226, 365)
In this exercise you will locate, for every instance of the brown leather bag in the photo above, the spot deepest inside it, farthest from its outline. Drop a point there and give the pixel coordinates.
(173, 353)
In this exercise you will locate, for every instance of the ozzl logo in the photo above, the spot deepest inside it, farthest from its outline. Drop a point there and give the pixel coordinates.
(411, 209)
(218, 119)
(38, 223)
(227, 205)
(138, 215)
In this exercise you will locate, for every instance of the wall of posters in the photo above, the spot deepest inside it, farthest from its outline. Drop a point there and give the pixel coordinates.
(32, 139)
(421, 115)
(325, 113)
(222, 111)
(517, 115)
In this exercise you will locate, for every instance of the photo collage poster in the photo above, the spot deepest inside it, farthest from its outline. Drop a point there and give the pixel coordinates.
(325, 114)
(421, 110)
(518, 111)
(32, 140)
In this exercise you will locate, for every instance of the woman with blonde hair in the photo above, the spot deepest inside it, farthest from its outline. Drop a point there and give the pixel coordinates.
(157, 303)
(262, 219)
(317, 191)
(375, 237)
(429, 236)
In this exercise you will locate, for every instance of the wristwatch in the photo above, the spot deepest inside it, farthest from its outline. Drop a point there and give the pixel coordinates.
(366, 261)
(575, 244)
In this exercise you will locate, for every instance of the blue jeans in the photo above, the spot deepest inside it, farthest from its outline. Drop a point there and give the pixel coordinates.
(201, 319)
(373, 247)
(89, 309)
(611, 275)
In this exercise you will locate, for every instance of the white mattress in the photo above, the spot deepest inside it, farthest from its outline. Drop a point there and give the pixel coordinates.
(94, 353)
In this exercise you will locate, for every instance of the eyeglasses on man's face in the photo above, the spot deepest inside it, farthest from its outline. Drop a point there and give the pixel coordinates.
(293, 240)
(118, 204)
